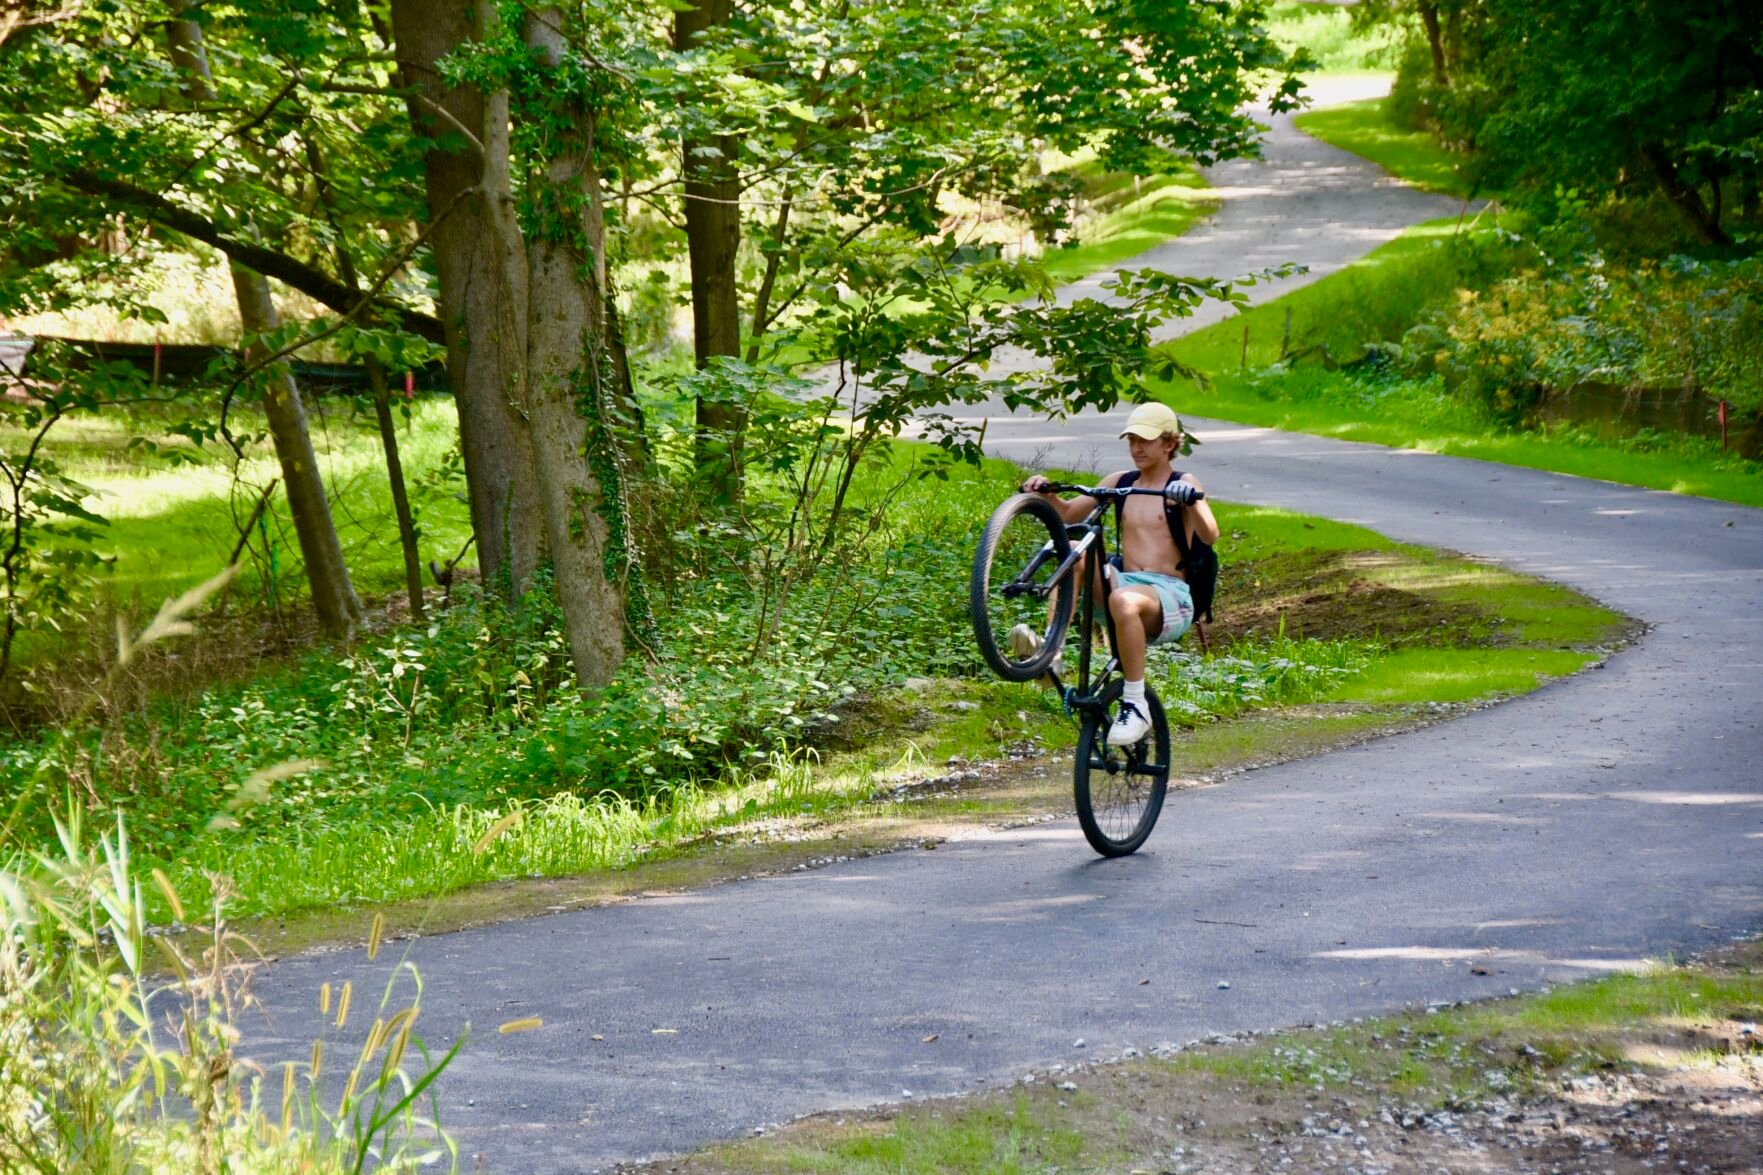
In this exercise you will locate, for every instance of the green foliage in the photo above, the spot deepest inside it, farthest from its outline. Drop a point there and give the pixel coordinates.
(1654, 328)
(1329, 36)
(1279, 671)
(1605, 96)
(87, 1080)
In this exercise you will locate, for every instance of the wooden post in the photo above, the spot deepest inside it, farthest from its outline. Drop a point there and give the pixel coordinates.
(1721, 413)
(1285, 342)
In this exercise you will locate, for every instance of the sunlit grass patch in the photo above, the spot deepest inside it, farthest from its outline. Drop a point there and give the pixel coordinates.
(1456, 675)
(1325, 31)
(173, 525)
(1415, 156)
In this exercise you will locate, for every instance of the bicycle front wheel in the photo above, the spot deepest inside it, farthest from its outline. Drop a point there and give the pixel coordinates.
(1016, 586)
(1120, 790)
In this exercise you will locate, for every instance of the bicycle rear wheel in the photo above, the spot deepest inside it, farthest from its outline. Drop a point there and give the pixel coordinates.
(1120, 790)
(1013, 584)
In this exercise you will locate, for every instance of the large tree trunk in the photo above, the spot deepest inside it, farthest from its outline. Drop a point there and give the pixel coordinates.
(333, 595)
(713, 238)
(482, 288)
(571, 381)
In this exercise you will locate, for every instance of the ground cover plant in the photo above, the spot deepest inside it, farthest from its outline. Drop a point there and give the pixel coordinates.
(1657, 1068)
(106, 1067)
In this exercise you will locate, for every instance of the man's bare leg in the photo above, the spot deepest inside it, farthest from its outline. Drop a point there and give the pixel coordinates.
(1137, 613)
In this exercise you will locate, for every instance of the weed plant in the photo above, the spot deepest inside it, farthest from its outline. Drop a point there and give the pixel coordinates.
(104, 1069)
(1276, 671)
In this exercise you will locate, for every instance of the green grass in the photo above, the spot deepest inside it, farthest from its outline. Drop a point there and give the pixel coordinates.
(1457, 675)
(1375, 298)
(1414, 156)
(172, 526)
(1008, 1140)
(1130, 215)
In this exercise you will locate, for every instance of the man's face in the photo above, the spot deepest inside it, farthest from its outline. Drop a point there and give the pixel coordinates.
(1148, 454)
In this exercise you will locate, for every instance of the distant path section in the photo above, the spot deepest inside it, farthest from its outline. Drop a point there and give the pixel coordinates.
(1603, 819)
(1303, 201)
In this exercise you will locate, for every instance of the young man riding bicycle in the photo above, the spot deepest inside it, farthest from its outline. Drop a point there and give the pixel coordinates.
(1149, 601)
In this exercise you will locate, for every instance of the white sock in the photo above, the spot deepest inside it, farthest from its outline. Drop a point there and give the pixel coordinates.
(1134, 692)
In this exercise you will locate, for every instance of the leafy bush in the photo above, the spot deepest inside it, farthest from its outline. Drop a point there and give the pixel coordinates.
(1377, 301)
(1679, 324)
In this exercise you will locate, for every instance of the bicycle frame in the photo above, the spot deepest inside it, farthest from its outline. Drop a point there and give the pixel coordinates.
(1089, 535)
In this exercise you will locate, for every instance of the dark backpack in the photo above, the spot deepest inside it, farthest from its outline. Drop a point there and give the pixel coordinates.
(1199, 562)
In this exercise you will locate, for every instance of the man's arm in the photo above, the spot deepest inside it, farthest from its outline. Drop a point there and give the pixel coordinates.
(1205, 526)
(1071, 509)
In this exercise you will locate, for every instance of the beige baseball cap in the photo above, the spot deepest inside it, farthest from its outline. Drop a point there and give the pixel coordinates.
(1150, 421)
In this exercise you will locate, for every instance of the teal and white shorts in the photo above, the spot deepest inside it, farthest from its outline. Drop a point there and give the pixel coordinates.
(1172, 593)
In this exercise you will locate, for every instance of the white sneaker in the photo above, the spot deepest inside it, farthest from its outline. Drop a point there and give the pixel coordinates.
(1025, 642)
(1130, 727)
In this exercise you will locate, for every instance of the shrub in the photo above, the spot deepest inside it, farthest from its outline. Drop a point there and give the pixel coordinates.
(1681, 324)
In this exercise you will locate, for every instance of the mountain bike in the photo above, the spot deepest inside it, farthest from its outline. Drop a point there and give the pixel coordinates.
(1026, 571)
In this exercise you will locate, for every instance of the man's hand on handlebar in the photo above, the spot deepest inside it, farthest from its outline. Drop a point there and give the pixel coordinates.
(1036, 484)
(1182, 493)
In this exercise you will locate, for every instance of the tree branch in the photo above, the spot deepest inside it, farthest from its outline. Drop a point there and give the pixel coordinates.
(362, 301)
(314, 283)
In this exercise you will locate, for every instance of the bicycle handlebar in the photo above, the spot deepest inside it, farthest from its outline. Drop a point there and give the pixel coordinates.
(1059, 487)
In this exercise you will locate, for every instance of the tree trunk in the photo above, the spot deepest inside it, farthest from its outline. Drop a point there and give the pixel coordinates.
(1429, 17)
(382, 406)
(570, 381)
(627, 414)
(333, 595)
(1684, 197)
(713, 238)
(382, 412)
(482, 290)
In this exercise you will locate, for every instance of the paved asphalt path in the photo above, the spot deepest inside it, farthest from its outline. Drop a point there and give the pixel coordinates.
(1606, 818)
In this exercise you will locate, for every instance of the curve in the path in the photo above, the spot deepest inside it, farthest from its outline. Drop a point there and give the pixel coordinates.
(1615, 815)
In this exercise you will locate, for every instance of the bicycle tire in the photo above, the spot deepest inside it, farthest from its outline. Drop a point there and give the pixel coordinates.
(1015, 542)
(1120, 790)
